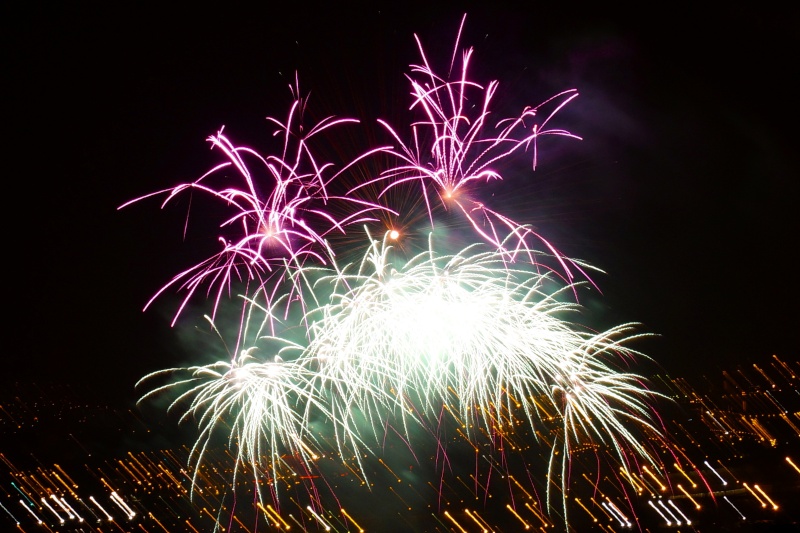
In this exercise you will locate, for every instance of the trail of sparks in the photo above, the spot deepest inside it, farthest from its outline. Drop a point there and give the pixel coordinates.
(266, 236)
(464, 149)
(330, 354)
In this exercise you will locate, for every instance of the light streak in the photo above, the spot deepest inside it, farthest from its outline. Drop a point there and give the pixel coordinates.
(400, 498)
(157, 521)
(58, 516)
(24, 495)
(278, 516)
(381, 461)
(764, 494)
(108, 516)
(728, 471)
(734, 507)
(655, 478)
(69, 489)
(694, 485)
(478, 522)
(33, 481)
(663, 506)
(603, 509)
(483, 522)
(217, 525)
(346, 515)
(454, 521)
(791, 424)
(528, 494)
(122, 505)
(765, 376)
(296, 521)
(762, 431)
(242, 525)
(696, 504)
(74, 485)
(636, 486)
(785, 367)
(579, 502)
(524, 523)
(724, 482)
(672, 504)
(318, 518)
(789, 460)
(484, 488)
(269, 515)
(616, 514)
(537, 514)
(14, 518)
(27, 508)
(711, 416)
(63, 507)
(651, 504)
(71, 509)
(762, 502)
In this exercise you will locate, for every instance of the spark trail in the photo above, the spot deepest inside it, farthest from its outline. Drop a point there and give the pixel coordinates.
(267, 235)
(330, 355)
(456, 145)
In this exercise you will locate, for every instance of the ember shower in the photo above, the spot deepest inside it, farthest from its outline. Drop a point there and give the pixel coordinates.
(329, 355)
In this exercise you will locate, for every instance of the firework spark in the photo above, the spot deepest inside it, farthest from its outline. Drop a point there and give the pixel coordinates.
(465, 328)
(454, 148)
(269, 235)
(390, 340)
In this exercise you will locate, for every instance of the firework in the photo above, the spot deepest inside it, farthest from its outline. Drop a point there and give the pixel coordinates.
(390, 340)
(401, 339)
(455, 148)
(464, 329)
(261, 407)
(268, 235)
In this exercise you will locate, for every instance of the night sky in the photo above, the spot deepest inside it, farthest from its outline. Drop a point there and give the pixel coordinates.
(683, 190)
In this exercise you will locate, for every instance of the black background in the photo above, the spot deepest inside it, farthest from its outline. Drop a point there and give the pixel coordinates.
(683, 189)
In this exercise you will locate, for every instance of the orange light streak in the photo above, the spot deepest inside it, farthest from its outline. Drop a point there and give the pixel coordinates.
(696, 505)
(774, 505)
(789, 460)
(524, 523)
(469, 514)
(453, 520)
(762, 502)
(655, 478)
(274, 512)
(157, 522)
(360, 529)
(694, 485)
(578, 500)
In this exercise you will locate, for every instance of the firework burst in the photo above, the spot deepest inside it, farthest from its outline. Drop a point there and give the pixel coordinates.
(465, 330)
(457, 145)
(269, 234)
(392, 340)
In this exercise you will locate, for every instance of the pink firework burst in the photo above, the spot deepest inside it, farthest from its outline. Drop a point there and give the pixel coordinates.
(269, 236)
(456, 146)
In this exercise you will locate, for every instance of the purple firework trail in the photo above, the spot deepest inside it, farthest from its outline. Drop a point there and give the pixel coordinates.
(268, 236)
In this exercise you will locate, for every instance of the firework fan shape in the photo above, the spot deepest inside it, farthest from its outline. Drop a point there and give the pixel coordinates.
(457, 145)
(465, 330)
(484, 334)
(267, 236)
(460, 332)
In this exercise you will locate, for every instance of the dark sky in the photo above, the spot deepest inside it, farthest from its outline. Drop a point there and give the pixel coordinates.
(684, 189)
